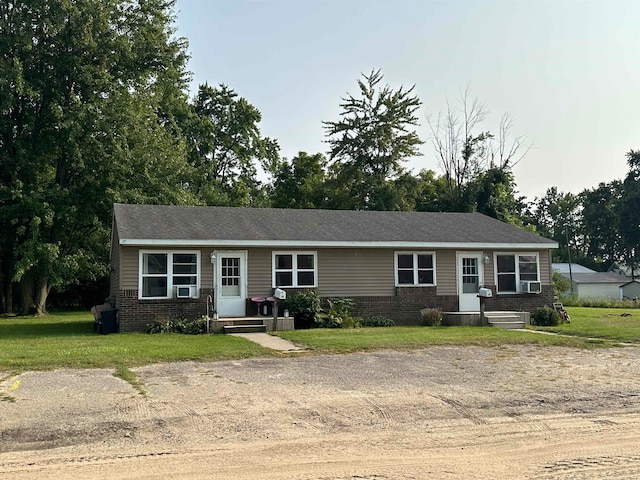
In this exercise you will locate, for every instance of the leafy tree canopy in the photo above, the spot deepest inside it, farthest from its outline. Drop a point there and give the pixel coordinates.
(226, 147)
(370, 142)
(92, 91)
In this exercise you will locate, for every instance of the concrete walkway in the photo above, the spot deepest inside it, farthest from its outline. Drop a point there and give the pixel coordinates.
(270, 341)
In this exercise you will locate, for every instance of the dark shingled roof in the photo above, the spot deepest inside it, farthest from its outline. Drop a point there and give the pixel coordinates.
(168, 222)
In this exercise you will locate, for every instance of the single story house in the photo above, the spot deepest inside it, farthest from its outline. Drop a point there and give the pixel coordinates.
(170, 260)
(604, 285)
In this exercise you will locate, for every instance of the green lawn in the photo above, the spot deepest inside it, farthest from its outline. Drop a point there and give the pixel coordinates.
(404, 338)
(605, 323)
(66, 340)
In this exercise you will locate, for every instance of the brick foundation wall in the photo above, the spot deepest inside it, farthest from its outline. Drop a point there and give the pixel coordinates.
(523, 302)
(134, 314)
(403, 307)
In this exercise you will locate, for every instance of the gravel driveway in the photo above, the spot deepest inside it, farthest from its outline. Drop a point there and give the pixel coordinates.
(459, 412)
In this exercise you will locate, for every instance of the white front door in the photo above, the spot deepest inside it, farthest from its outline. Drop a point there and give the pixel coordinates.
(231, 284)
(470, 275)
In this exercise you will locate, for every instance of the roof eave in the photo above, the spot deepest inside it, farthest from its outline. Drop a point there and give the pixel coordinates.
(142, 242)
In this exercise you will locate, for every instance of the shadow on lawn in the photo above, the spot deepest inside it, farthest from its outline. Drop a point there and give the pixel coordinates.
(28, 327)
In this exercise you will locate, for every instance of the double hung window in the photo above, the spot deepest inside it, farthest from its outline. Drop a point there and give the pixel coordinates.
(160, 272)
(415, 268)
(295, 269)
(511, 269)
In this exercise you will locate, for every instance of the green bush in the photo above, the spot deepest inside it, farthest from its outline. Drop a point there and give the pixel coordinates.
(179, 325)
(431, 317)
(377, 321)
(339, 314)
(304, 307)
(545, 317)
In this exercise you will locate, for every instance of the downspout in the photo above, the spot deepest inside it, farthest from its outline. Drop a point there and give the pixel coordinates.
(214, 285)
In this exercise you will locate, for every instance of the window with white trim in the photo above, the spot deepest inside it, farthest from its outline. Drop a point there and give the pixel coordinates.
(295, 269)
(162, 271)
(415, 268)
(513, 268)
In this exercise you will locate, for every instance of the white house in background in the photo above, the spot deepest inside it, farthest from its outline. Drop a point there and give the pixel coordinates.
(588, 283)
(630, 290)
(598, 285)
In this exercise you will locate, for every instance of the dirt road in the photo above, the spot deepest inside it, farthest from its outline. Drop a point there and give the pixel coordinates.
(511, 412)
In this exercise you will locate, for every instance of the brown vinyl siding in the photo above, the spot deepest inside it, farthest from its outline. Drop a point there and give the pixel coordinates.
(352, 272)
(446, 272)
(129, 273)
(545, 267)
(259, 272)
(341, 272)
(114, 263)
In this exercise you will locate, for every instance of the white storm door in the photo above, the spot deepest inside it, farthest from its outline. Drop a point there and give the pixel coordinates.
(231, 284)
(469, 279)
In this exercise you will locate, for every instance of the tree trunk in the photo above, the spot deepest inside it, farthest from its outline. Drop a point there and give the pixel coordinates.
(41, 293)
(3, 301)
(8, 297)
(26, 295)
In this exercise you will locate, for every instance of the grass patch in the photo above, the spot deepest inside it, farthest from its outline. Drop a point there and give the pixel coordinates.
(602, 323)
(124, 373)
(7, 398)
(405, 338)
(67, 340)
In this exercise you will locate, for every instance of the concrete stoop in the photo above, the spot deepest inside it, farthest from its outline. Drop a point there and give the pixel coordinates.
(506, 320)
(509, 320)
(249, 325)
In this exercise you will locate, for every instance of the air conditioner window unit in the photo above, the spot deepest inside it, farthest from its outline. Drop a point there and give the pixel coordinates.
(183, 292)
(531, 287)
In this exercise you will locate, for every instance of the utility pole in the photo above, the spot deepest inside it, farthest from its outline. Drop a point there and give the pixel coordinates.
(566, 234)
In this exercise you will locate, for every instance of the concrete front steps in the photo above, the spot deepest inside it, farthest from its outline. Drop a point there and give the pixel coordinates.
(251, 324)
(507, 320)
(244, 325)
(510, 320)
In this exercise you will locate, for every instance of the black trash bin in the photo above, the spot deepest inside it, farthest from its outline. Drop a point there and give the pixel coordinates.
(109, 321)
(266, 309)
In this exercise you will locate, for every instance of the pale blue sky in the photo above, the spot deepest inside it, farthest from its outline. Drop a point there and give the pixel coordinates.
(567, 71)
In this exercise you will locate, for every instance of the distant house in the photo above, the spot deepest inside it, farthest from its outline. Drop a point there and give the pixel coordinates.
(630, 290)
(597, 285)
(167, 261)
(566, 268)
(623, 269)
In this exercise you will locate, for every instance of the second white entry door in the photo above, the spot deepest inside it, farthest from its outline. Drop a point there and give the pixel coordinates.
(469, 279)
(231, 284)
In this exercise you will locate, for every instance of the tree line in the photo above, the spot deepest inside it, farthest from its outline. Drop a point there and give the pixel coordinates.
(95, 110)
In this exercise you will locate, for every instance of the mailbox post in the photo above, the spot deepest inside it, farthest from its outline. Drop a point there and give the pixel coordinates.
(483, 294)
(278, 294)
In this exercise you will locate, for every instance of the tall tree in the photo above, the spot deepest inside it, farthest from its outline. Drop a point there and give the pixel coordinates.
(600, 209)
(629, 213)
(493, 193)
(557, 216)
(226, 147)
(299, 183)
(91, 90)
(370, 142)
(466, 151)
